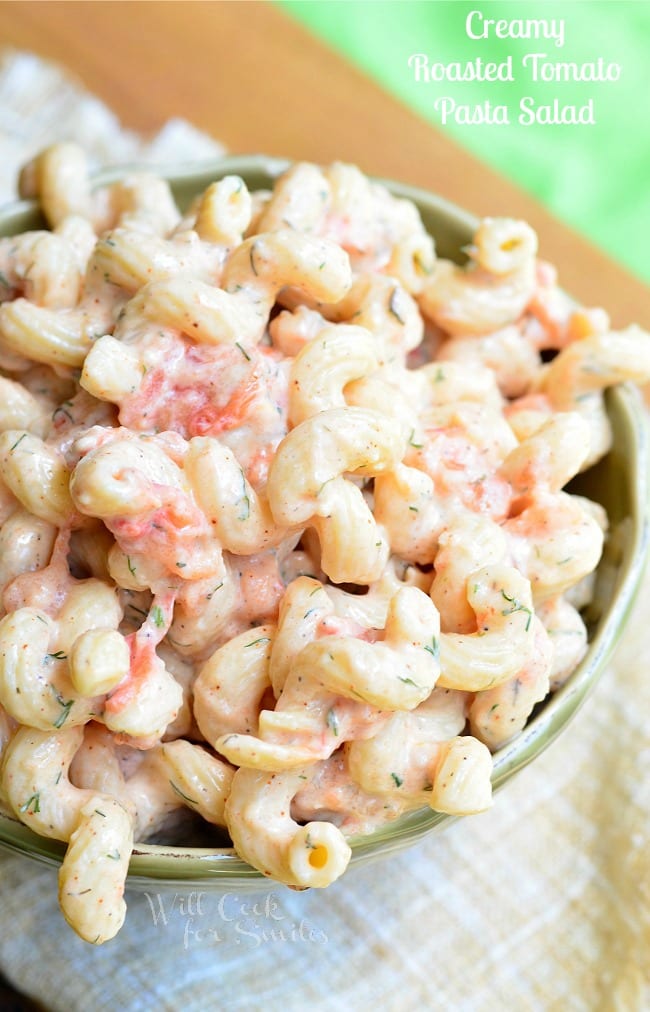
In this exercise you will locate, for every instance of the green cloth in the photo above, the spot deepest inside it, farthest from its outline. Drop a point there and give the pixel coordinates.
(596, 178)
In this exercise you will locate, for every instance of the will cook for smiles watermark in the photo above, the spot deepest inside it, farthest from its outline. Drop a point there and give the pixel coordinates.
(538, 66)
(204, 919)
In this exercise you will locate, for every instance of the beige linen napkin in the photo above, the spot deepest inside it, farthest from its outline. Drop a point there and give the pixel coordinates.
(542, 903)
(40, 104)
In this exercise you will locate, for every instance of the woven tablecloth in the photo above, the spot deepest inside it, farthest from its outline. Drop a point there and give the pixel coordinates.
(542, 903)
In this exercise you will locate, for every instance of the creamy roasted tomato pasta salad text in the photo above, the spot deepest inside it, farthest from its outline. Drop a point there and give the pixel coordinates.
(284, 538)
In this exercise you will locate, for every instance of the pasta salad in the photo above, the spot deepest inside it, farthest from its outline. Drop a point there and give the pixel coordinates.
(285, 542)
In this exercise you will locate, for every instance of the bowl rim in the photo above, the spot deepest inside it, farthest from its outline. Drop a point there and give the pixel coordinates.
(206, 867)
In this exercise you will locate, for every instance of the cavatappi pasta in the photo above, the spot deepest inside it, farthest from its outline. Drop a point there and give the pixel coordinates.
(284, 540)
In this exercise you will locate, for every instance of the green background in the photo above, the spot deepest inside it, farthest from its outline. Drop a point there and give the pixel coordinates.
(596, 178)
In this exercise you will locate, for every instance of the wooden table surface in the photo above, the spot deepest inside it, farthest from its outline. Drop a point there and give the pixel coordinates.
(259, 82)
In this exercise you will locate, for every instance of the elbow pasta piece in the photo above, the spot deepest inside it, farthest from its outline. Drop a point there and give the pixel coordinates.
(48, 267)
(396, 673)
(19, 409)
(550, 457)
(144, 713)
(400, 760)
(333, 681)
(576, 378)
(504, 245)
(378, 393)
(51, 336)
(130, 259)
(169, 776)
(58, 177)
(229, 688)
(145, 500)
(382, 306)
(513, 362)
(291, 330)
(370, 610)
(88, 604)
(206, 313)
(47, 666)
(335, 793)
(413, 261)
(120, 477)
(240, 518)
(26, 543)
(111, 369)
(304, 605)
(38, 477)
(497, 715)
(202, 781)
(93, 873)
(594, 363)
(148, 699)
(568, 634)
(321, 371)
(203, 611)
(409, 760)
(268, 262)
(449, 382)
(279, 491)
(300, 201)
(306, 485)
(35, 649)
(265, 835)
(98, 829)
(462, 783)
(494, 290)
(407, 508)
(501, 599)
(224, 212)
(353, 546)
(99, 660)
(255, 272)
(35, 686)
(376, 228)
(554, 541)
(36, 783)
(140, 200)
(467, 545)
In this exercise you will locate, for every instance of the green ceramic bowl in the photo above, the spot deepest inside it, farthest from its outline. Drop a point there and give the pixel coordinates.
(619, 482)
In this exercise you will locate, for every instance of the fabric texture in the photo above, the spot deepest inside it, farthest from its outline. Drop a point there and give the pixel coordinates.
(542, 903)
(39, 104)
